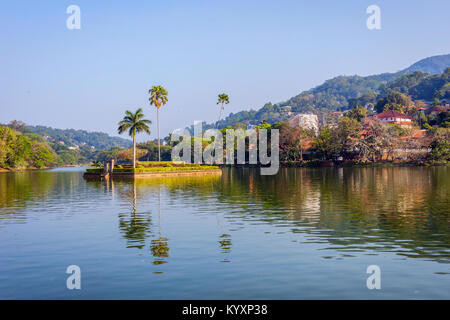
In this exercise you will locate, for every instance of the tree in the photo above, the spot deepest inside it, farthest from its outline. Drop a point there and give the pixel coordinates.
(18, 126)
(324, 144)
(346, 134)
(440, 147)
(223, 99)
(358, 113)
(292, 142)
(134, 123)
(440, 151)
(394, 100)
(158, 98)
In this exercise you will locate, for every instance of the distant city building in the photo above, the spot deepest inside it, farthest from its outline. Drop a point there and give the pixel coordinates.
(394, 117)
(305, 121)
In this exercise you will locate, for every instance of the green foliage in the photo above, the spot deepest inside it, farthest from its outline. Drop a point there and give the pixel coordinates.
(394, 100)
(72, 137)
(223, 99)
(152, 151)
(158, 96)
(19, 151)
(102, 155)
(324, 145)
(358, 113)
(440, 151)
(134, 123)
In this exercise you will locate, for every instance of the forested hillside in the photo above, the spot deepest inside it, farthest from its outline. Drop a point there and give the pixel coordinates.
(72, 137)
(23, 146)
(341, 93)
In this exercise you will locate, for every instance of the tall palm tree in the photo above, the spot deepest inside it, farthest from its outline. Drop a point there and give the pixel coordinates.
(158, 98)
(134, 123)
(223, 99)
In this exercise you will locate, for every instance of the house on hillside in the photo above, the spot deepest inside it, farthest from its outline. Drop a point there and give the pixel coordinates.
(394, 117)
(287, 110)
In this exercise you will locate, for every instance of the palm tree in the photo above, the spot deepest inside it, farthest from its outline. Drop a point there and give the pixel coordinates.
(158, 98)
(223, 99)
(134, 123)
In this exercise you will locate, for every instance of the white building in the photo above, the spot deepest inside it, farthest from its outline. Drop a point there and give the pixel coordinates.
(306, 121)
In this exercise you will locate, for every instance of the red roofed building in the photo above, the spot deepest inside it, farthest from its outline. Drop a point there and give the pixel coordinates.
(394, 117)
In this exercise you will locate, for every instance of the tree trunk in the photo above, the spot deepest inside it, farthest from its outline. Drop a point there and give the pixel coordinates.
(220, 116)
(159, 140)
(134, 148)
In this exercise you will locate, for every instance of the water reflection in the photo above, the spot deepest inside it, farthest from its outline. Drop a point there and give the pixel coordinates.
(350, 210)
(135, 227)
(160, 246)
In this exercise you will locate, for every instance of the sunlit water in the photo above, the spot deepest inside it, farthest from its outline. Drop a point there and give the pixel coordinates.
(302, 234)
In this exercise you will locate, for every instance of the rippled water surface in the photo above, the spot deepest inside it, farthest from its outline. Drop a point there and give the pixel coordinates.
(302, 234)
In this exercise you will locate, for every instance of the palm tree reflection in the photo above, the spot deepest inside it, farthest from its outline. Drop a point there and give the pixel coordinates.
(136, 228)
(159, 247)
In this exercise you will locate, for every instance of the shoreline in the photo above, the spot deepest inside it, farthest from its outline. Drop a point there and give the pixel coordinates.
(44, 168)
(304, 164)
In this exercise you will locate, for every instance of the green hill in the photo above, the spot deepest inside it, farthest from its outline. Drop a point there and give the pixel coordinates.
(339, 93)
(72, 137)
(433, 65)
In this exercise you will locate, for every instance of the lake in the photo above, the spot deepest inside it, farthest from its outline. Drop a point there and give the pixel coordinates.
(306, 233)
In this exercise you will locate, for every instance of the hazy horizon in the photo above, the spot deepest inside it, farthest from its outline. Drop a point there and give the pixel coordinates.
(256, 52)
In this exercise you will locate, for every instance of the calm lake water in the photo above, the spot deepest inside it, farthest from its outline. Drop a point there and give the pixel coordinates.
(302, 234)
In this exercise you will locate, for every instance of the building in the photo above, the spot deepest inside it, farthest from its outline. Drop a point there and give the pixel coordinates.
(394, 117)
(305, 121)
(287, 110)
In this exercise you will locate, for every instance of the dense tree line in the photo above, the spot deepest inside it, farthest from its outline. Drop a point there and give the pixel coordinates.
(21, 151)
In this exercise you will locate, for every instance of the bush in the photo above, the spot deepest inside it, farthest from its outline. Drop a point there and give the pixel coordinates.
(440, 151)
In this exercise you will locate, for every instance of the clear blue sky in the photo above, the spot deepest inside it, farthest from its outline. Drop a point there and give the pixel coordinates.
(256, 51)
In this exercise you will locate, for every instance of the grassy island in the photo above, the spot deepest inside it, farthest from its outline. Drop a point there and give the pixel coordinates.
(150, 169)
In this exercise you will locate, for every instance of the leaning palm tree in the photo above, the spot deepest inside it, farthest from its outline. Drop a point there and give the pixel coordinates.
(134, 123)
(223, 99)
(158, 98)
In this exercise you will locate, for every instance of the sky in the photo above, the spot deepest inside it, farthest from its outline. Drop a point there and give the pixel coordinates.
(255, 51)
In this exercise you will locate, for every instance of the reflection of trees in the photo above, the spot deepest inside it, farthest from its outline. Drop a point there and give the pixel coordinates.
(160, 247)
(30, 188)
(225, 243)
(135, 227)
(353, 208)
(381, 209)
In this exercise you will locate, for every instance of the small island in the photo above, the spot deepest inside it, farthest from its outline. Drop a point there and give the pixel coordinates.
(151, 169)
